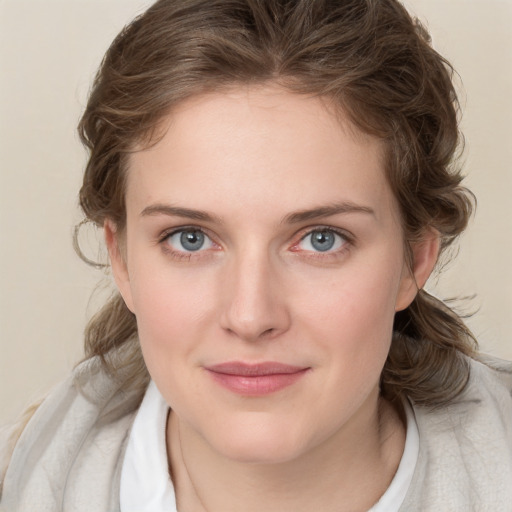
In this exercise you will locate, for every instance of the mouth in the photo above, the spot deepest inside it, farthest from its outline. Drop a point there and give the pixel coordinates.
(255, 379)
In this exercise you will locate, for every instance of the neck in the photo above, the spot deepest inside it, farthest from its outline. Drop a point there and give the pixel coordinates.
(349, 471)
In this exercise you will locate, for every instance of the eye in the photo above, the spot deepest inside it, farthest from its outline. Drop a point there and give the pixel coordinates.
(189, 240)
(322, 240)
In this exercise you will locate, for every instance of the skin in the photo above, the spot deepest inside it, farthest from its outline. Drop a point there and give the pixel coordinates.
(251, 161)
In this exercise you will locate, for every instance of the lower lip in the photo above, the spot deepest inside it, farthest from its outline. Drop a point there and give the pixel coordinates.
(257, 385)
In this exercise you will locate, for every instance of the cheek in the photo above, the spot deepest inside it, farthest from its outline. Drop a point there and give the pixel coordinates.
(352, 300)
(170, 329)
(165, 294)
(351, 316)
(172, 309)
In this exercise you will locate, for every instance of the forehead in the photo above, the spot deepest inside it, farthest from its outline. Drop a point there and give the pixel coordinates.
(264, 144)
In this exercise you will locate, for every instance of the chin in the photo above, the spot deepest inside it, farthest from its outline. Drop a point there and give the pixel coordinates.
(259, 443)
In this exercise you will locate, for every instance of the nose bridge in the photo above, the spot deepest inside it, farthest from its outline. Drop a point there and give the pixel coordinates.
(255, 304)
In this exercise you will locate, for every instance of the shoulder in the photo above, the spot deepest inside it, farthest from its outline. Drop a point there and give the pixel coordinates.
(488, 395)
(498, 372)
(9, 435)
(465, 458)
(79, 429)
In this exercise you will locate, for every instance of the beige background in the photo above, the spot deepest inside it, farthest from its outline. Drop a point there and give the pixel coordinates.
(49, 50)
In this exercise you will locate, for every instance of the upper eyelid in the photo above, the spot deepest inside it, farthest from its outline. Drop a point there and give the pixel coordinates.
(304, 232)
(166, 233)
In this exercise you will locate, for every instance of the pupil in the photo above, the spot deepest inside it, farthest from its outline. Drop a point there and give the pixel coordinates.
(322, 240)
(192, 240)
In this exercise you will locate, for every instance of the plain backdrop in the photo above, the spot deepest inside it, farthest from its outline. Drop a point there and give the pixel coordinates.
(49, 50)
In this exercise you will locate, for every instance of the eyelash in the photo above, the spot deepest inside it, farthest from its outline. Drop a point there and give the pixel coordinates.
(348, 242)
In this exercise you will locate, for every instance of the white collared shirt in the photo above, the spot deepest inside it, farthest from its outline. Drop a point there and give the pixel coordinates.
(145, 482)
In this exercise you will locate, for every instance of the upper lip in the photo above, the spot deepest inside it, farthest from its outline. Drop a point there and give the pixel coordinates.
(254, 369)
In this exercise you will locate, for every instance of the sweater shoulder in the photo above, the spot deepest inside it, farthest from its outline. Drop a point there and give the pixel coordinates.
(83, 419)
(465, 456)
(492, 369)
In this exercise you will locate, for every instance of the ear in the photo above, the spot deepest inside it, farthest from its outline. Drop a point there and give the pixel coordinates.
(414, 277)
(117, 255)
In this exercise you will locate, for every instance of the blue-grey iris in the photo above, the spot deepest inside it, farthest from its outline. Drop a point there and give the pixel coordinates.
(322, 240)
(192, 240)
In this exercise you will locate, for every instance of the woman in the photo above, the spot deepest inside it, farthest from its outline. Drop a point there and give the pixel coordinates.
(276, 182)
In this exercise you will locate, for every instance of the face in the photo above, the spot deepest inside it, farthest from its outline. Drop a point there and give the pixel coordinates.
(263, 259)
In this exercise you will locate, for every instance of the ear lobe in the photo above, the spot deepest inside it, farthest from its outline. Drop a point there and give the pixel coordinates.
(424, 255)
(118, 262)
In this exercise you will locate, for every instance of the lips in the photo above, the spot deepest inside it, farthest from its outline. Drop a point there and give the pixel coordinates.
(255, 379)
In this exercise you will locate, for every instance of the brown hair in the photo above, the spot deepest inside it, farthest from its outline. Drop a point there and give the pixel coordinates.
(371, 60)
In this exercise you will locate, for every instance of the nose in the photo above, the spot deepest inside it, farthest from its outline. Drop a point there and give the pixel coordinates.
(254, 305)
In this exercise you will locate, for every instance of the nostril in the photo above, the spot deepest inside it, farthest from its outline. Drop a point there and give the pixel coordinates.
(254, 336)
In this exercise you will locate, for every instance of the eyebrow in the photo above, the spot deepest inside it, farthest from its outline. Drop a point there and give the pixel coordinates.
(291, 218)
(326, 211)
(179, 211)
